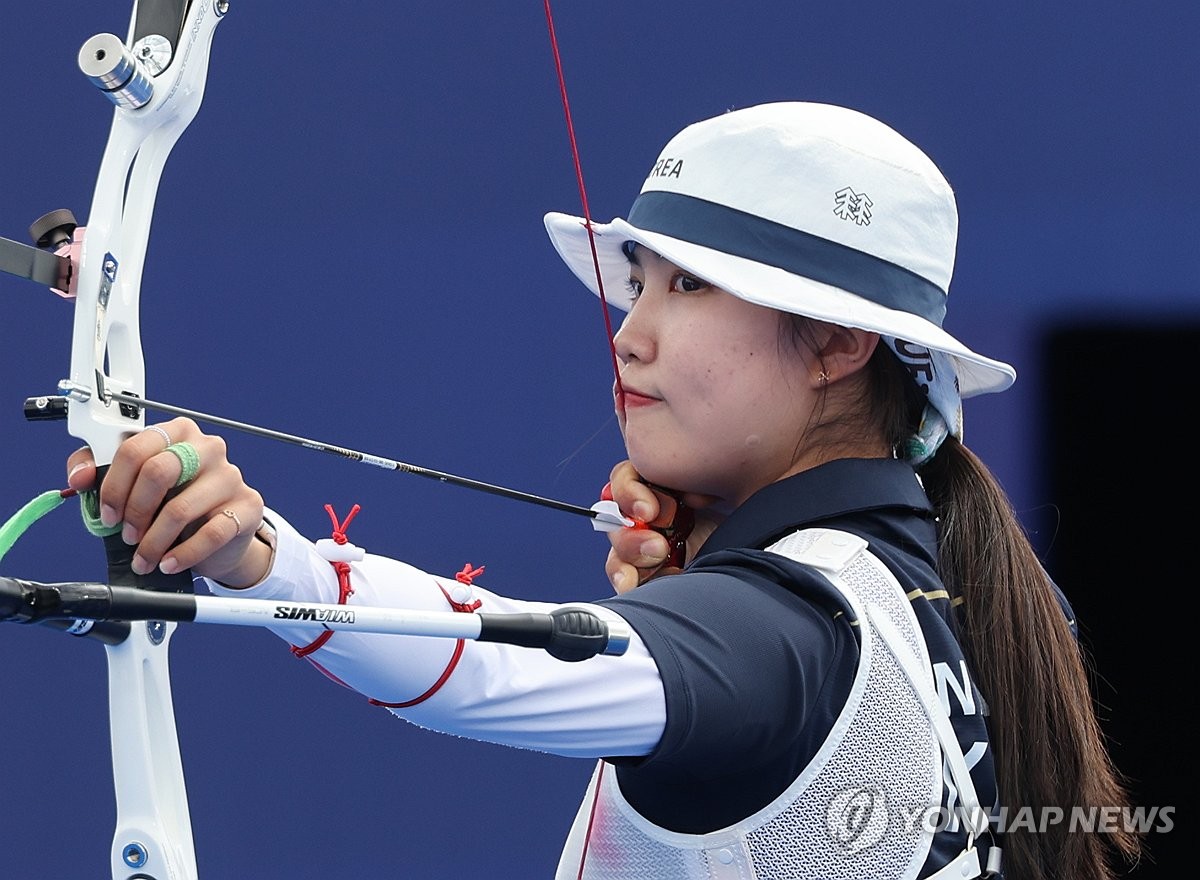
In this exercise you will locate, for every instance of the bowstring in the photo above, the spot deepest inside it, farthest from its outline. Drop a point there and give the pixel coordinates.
(587, 213)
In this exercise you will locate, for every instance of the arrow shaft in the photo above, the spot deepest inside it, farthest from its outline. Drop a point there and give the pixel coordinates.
(390, 464)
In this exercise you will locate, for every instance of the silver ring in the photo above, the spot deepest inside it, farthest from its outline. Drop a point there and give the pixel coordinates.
(237, 522)
(160, 431)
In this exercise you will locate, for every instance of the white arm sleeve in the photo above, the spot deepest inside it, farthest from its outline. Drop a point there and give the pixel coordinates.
(523, 697)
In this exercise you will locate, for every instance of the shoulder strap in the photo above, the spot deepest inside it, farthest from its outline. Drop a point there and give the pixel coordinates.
(831, 551)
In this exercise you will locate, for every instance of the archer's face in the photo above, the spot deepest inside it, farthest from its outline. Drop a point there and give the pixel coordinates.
(716, 397)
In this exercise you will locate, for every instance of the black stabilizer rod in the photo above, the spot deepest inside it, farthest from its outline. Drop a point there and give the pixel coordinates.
(109, 632)
(30, 602)
(24, 601)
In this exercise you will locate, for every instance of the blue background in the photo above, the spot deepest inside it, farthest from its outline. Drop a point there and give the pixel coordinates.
(348, 245)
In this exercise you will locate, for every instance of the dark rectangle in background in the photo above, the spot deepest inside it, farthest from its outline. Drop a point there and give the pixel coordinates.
(1120, 464)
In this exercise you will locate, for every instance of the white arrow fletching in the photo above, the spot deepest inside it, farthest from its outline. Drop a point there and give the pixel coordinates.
(608, 517)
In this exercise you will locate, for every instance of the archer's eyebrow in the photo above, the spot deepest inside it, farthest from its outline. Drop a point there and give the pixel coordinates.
(633, 252)
(630, 248)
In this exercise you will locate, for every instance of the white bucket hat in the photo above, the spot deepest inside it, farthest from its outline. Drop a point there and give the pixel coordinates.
(811, 209)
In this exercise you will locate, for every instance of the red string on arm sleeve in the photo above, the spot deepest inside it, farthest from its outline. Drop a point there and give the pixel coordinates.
(466, 577)
(343, 576)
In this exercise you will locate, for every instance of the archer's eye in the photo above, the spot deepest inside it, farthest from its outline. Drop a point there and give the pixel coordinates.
(634, 286)
(683, 283)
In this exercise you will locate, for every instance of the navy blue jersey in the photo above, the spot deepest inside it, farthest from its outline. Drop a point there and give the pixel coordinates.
(757, 652)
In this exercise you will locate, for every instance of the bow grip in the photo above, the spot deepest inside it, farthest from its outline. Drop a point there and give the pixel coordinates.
(119, 556)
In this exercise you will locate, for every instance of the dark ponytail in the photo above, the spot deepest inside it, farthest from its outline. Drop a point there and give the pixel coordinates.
(1048, 746)
(1049, 749)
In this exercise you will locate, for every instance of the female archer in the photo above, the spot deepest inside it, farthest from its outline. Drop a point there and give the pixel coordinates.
(862, 667)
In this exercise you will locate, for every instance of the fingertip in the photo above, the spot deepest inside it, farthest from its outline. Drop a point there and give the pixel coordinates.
(654, 550)
(74, 478)
(140, 564)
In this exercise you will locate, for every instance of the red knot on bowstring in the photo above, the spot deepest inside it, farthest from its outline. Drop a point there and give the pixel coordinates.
(587, 211)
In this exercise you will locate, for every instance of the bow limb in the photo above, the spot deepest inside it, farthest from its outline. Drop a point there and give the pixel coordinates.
(153, 836)
(106, 352)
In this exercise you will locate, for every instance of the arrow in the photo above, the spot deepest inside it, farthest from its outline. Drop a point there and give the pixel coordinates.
(605, 515)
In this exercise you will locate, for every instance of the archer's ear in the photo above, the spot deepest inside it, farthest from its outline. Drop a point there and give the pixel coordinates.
(846, 351)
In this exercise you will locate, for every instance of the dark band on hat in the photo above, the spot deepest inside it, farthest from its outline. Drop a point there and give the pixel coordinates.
(774, 244)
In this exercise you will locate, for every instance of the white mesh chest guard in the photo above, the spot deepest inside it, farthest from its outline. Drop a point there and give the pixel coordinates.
(845, 816)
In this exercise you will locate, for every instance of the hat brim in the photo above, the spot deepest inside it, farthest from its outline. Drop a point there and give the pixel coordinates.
(763, 285)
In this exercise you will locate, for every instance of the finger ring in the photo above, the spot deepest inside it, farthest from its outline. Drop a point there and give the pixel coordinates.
(161, 431)
(189, 461)
(237, 522)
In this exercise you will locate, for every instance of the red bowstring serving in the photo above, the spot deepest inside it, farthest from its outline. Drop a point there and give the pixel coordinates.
(587, 213)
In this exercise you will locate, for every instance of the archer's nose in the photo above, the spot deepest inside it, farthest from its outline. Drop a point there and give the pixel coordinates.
(636, 340)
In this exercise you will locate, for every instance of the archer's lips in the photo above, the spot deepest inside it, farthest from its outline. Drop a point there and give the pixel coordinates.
(635, 399)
